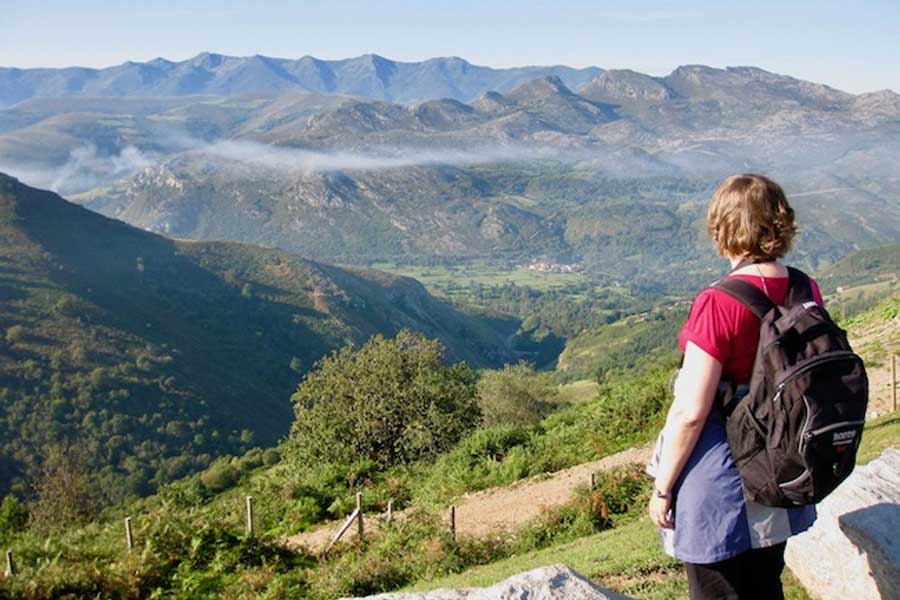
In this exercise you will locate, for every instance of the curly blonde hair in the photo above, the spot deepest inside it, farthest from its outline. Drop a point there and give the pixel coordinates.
(749, 217)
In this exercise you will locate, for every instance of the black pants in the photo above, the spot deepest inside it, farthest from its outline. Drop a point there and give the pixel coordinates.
(753, 575)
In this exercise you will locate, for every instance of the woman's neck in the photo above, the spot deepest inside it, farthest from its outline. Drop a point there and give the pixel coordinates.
(766, 269)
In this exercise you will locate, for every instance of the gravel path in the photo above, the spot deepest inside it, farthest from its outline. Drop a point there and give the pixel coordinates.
(498, 509)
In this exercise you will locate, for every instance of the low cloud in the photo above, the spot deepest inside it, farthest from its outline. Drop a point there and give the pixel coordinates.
(88, 168)
(85, 169)
(286, 158)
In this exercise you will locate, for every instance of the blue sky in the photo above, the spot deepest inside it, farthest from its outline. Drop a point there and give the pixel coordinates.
(851, 45)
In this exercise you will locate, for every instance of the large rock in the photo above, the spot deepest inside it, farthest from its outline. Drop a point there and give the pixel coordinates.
(557, 582)
(853, 550)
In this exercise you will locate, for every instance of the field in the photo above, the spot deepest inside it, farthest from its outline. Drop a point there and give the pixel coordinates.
(452, 280)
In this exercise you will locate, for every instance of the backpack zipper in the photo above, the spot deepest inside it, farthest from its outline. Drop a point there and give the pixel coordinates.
(800, 447)
(811, 434)
(814, 362)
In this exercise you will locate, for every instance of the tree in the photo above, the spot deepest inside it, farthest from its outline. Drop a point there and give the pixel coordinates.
(515, 395)
(392, 401)
(62, 488)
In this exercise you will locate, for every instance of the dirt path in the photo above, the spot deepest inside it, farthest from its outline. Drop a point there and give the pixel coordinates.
(498, 509)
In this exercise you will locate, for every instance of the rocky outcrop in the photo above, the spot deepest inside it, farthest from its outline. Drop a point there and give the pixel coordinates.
(853, 550)
(557, 582)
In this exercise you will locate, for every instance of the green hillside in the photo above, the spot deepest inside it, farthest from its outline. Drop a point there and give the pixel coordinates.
(880, 264)
(190, 543)
(154, 355)
(638, 340)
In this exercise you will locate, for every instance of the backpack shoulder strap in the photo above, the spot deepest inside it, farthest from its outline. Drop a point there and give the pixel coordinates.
(799, 287)
(747, 294)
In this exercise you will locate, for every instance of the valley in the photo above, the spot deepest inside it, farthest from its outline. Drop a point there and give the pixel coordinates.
(161, 354)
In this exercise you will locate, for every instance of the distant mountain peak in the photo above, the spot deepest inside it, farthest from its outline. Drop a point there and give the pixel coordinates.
(375, 58)
(617, 85)
(541, 87)
(208, 60)
(449, 59)
(884, 94)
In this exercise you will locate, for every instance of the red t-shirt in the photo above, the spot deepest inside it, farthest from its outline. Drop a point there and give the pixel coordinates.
(726, 330)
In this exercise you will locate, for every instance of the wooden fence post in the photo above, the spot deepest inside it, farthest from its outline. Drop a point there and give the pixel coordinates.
(453, 522)
(10, 570)
(129, 540)
(342, 530)
(390, 511)
(894, 382)
(359, 516)
(249, 502)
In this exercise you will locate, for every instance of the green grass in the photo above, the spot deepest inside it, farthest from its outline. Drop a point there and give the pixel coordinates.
(578, 392)
(621, 554)
(880, 433)
(626, 559)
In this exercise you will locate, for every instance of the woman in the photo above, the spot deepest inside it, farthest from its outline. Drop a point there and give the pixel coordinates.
(732, 548)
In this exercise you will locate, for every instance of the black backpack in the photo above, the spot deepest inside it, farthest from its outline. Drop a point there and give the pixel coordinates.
(794, 435)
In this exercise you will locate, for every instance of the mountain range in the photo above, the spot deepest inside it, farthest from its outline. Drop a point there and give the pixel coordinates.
(159, 354)
(368, 76)
(613, 173)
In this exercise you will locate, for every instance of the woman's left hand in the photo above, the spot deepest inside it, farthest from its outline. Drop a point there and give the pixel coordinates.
(660, 509)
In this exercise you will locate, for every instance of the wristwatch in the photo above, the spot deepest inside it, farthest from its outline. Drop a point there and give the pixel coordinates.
(660, 494)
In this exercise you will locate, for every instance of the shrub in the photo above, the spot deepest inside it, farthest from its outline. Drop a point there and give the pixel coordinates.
(252, 459)
(392, 401)
(220, 477)
(13, 518)
(485, 458)
(515, 395)
(618, 494)
(16, 334)
(629, 409)
(621, 491)
(271, 456)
